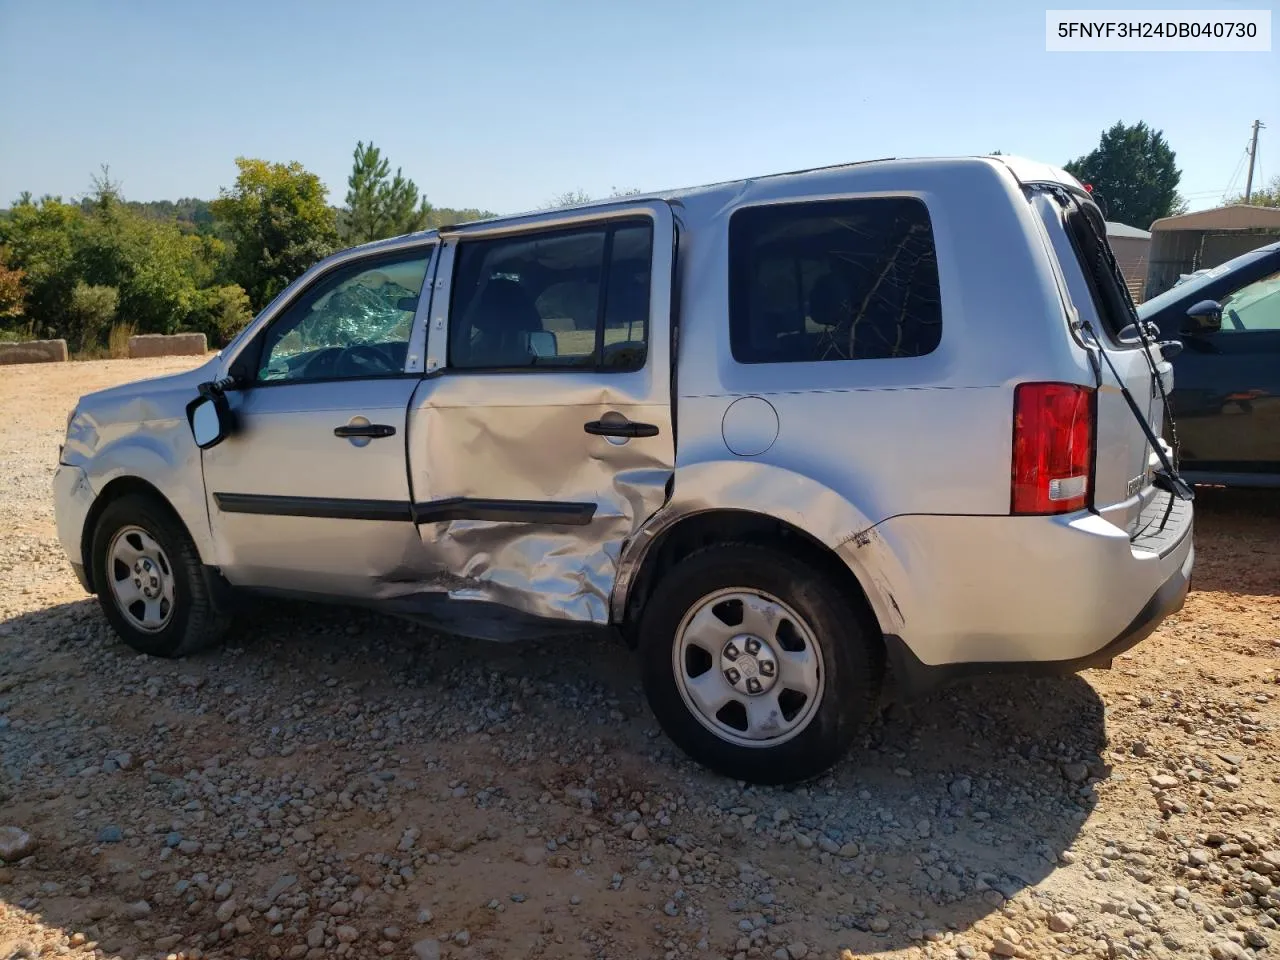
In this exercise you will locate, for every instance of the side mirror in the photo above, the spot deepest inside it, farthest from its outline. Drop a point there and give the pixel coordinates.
(210, 419)
(1203, 318)
(542, 343)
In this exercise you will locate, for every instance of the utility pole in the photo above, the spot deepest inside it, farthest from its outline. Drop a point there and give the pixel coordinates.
(1253, 155)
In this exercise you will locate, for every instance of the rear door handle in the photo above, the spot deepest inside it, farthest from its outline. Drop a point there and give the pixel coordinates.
(370, 430)
(625, 428)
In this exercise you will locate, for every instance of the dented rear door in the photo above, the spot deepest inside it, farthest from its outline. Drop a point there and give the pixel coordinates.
(541, 437)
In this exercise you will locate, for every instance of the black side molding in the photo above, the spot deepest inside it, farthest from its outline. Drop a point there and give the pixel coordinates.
(504, 511)
(555, 512)
(331, 508)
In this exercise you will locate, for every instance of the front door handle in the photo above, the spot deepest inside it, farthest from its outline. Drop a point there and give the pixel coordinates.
(372, 431)
(622, 428)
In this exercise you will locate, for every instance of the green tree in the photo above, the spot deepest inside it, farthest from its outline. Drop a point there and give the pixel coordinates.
(1133, 171)
(43, 238)
(13, 289)
(1268, 196)
(278, 223)
(222, 313)
(380, 205)
(157, 271)
(155, 267)
(89, 314)
(446, 216)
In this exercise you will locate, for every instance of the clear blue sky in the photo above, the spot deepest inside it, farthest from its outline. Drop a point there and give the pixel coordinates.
(502, 104)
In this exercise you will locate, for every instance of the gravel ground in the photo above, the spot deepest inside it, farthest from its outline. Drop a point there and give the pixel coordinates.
(336, 784)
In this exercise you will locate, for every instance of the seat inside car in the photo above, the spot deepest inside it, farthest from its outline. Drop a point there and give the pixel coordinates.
(501, 321)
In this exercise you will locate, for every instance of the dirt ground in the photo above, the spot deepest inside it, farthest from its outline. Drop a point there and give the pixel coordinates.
(336, 784)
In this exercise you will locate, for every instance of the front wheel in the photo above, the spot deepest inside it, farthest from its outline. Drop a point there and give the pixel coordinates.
(756, 665)
(150, 582)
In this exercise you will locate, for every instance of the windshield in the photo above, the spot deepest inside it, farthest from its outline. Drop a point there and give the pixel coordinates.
(1173, 294)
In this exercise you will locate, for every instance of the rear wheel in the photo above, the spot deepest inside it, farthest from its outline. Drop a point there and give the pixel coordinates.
(150, 582)
(756, 665)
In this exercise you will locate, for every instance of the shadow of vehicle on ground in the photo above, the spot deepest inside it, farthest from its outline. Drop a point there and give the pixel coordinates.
(945, 810)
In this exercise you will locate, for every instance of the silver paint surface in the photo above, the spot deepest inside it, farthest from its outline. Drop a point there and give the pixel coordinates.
(520, 436)
(285, 446)
(898, 466)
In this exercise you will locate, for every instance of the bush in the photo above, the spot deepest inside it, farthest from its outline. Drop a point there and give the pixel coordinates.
(222, 313)
(90, 313)
(118, 340)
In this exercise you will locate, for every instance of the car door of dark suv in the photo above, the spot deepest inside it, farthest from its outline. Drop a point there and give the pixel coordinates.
(1227, 388)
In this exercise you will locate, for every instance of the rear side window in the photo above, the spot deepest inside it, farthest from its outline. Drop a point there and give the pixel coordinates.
(833, 280)
(575, 299)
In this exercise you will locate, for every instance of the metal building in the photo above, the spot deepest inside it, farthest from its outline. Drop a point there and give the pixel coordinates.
(1132, 249)
(1206, 239)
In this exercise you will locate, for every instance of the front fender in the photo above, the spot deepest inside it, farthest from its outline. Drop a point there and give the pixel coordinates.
(163, 454)
(769, 490)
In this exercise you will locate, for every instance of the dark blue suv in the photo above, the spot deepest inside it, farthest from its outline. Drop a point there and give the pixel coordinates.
(1226, 395)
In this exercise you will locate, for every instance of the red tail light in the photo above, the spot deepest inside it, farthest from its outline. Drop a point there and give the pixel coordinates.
(1052, 447)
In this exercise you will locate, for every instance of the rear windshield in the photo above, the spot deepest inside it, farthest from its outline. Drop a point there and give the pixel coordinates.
(1111, 300)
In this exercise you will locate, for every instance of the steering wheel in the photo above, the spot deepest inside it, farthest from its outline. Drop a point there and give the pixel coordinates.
(323, 364)
(1234, 317)
(363, 360)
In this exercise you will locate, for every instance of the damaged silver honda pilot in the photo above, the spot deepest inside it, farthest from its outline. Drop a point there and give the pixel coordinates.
(784, 435)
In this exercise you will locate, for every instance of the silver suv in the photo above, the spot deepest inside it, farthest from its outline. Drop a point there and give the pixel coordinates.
(782, 435)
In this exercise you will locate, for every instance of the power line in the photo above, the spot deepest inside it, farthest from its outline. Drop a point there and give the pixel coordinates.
(1234, 176)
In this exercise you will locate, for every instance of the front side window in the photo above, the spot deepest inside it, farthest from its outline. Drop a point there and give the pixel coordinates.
(1255, 306)
(576, 299)
(833, 280)
(353, 323)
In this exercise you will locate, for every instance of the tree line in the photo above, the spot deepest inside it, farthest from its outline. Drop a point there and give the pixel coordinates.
(100, 268)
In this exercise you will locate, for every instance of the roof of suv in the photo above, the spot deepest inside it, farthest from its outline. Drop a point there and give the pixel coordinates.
(1024, 171)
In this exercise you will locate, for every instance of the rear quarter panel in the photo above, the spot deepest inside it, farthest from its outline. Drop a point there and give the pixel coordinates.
(860, 441)
(928, 434)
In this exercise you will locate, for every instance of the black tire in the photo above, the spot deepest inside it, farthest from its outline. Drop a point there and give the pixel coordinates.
(195, 621)
(852, 661)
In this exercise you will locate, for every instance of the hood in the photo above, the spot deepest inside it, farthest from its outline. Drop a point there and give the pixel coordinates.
(145, 392)
(106, 415)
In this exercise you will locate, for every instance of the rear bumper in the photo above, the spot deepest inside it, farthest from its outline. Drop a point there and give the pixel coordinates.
(914, 677)
(979, 594)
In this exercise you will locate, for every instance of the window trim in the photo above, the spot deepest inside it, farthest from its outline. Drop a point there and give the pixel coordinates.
(248, 350)
(610, 224)
(822, 199)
